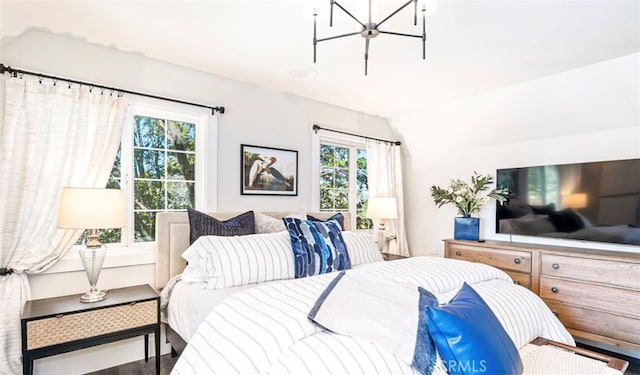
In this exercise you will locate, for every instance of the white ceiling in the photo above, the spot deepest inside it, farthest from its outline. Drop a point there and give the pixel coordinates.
(473, 46)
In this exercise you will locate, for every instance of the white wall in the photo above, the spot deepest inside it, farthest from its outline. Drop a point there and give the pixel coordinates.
(587, 114)
(253, 116)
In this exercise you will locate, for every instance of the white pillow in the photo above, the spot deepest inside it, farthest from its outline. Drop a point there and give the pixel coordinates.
(267, 224)
(361, 247)
(242, 260)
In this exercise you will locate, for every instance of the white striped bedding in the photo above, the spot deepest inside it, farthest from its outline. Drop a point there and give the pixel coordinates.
(265, 330)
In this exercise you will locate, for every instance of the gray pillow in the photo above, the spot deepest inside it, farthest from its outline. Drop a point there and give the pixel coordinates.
(201, 224)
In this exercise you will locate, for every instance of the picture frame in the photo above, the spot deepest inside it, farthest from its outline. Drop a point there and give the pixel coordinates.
(268, 171)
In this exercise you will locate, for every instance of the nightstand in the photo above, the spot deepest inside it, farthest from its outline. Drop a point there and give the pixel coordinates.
(387, 256)
(62, 324)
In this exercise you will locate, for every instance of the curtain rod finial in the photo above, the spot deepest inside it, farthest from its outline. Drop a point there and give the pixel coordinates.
(315, 128)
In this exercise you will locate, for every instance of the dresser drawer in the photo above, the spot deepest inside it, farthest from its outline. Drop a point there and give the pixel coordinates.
(504, 259)
(601, 271)
(598, 323)
(600, 297)
(523, 279)
(65, 328)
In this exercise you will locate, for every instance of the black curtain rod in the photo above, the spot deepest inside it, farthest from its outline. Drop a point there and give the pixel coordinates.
(14, 72)
(318, 127)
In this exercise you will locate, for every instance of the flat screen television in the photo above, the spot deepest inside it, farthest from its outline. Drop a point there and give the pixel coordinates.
(596, 201)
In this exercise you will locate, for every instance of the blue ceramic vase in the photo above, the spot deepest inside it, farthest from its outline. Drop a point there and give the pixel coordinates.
(466, 228)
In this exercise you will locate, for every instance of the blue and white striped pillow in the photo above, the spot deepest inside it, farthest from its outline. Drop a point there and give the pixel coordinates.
(361, 248)
(318, 247)
(242, 260)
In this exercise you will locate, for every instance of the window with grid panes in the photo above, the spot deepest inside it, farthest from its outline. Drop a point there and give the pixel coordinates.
(343, 181)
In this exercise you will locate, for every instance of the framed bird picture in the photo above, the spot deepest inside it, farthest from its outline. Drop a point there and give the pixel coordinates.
(268, 171)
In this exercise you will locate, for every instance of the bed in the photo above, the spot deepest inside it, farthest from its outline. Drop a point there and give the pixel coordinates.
(190, 304)
(280, 326)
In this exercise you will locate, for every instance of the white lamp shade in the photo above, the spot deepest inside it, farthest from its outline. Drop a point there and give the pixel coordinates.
(382, 208)
(86, 208)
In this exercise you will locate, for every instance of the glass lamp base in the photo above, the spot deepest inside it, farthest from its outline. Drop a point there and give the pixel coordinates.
(93, 296)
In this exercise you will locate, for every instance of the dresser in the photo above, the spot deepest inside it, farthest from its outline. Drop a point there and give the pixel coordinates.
(594, 293)
(62, 324)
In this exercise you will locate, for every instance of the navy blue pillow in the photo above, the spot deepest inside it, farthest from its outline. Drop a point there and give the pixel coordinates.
(337, 217)
(318, 247)
(469, 337)
(201, 224)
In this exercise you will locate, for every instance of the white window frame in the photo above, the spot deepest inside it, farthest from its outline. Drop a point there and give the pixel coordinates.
(353, 143)
(127, 160)
(128, 252)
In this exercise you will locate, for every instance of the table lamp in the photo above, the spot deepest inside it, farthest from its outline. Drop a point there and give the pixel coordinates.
(382, 209)
(87, 208)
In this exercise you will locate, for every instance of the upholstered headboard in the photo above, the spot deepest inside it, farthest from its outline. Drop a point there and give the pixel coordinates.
(172, 239)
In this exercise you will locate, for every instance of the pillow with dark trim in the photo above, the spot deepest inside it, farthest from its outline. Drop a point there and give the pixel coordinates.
(201, 224)
(337, 217)
(470, 338)
(318, 247)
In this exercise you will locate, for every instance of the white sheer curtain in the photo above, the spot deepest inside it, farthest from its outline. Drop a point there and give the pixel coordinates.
(52, 136)
(384, 170)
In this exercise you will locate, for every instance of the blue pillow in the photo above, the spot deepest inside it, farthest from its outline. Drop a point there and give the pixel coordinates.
(201, 224)
(469, 337)
(318, 247)
(337, 217)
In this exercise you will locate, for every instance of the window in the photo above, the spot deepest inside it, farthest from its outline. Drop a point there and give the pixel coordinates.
(164, 156)
(159, 167)
(343, 180)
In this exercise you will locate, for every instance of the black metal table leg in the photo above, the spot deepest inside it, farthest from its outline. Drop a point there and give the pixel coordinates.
(146, 348)
(156, 337)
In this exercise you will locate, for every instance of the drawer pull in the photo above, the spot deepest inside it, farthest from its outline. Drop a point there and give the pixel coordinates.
(458, 253)
(555, 313)
(555, 266)
(554, 289)
(517, 261)
(516, 282)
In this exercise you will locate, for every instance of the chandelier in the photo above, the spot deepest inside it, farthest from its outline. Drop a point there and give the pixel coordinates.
(370, 29)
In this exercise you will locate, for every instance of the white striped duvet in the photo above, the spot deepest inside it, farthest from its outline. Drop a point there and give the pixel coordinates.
(265, 330)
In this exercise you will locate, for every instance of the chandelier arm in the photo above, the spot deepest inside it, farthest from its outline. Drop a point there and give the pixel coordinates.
(400, 34)
(366, 55)
(424, 35)
(331, 13)
(349, 14)
(315, 38)
(338, 36)
(394, 12)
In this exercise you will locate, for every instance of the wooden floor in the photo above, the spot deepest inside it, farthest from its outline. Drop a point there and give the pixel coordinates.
(167, 362)
(141, 367)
